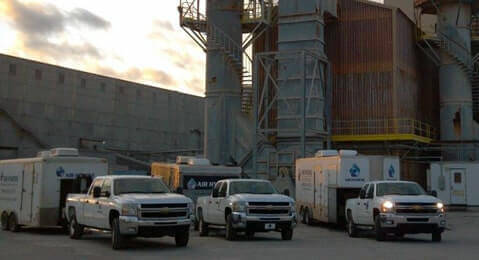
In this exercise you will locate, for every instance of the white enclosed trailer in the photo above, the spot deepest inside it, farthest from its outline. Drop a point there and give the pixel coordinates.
(33, 190)
(455, 182)
(326, 181)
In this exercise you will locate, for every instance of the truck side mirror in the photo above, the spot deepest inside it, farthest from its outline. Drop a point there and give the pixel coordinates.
(96, 192)
(214, 194)
(362, 194)
(179, 190)
(433, 193)
(107, 194)
(286, 192)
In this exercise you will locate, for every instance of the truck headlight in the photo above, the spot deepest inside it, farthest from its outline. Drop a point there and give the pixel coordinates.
(129, 210)
(239, 206)
(293, 207)
(440, 206)
(387, 206)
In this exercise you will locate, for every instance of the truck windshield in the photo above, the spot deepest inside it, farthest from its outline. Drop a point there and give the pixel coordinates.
(130, 185)
(251, 187)
(411, 189)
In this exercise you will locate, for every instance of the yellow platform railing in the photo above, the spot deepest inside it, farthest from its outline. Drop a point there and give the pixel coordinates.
(383, 130)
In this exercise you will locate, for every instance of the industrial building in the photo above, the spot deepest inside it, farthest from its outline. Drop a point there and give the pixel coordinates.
(290, 77)
(44, 106)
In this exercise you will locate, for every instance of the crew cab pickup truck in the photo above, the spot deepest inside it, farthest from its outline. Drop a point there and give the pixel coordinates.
(130, 206)
(396, 207)
(246, 205)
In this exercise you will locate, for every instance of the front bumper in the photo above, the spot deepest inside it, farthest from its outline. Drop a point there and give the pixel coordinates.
(255, 223)
(413, 224)
(132, 226)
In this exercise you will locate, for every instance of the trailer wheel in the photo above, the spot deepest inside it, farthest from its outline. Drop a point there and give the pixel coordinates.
(13, 223)
(302, 216)
(4, 221)
(308, 220)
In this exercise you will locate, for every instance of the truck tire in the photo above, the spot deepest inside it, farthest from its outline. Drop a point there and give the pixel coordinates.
(196, 225)
(203, 227)
(287, 233)
(380, 234)
(308, 220)
(436, 236)
(230, 231)
(351, 227)
(181, 238)
(75, 229)
(13, 223)
(250, 234)
(4, 220)
(117, 240)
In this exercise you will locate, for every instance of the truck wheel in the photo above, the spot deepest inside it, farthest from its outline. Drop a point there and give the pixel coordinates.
(287, 233)
(13, 223)
(436, 236)
(117, 240)
(181, 238)
(75, 229)
(230, 232)
(352, 230)
(196, 225)
(380, 234)
(203, 227)
(4, 220)
(307, 217)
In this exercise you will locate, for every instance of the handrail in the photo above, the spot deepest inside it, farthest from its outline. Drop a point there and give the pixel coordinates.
(383, 127)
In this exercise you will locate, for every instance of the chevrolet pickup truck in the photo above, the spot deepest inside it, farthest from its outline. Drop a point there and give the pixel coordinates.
(246, 205)
(396, 207)
(130, 206)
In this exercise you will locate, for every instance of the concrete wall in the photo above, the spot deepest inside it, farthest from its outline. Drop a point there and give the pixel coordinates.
(36, 112)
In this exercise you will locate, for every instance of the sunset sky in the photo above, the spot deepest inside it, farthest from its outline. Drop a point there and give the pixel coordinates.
(137, 40)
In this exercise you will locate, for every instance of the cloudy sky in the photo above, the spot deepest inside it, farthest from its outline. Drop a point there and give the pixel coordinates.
(137, 40)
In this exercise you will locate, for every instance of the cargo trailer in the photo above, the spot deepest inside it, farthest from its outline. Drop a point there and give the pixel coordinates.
(33, 191)
(326, 181)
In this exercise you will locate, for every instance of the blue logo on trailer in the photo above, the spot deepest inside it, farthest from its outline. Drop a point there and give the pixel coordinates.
(60, 172)
(391, 172)
(355, 171)
(191, 184)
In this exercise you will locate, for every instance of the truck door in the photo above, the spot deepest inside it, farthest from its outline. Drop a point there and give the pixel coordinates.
(458, 186)
(103, 209)
(358, 214)
(219, 214)
(318, 190)
(90, 206)
(367, 206)
(210, 213)
(26, 205)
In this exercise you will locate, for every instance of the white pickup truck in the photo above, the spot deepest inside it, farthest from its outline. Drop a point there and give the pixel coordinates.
(130, 206)
(397, 207)
(246, 205)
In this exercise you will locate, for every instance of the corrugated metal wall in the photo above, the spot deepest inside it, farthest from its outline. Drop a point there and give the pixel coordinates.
(359, 46)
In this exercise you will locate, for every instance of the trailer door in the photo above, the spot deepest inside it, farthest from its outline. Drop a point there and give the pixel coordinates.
(26, 205)
(458, 186)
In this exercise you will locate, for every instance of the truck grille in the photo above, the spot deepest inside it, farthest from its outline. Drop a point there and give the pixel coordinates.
(164, 211)
(268, 203)
(164, 205)
(416, 208)
(269, 209)
(163, 214)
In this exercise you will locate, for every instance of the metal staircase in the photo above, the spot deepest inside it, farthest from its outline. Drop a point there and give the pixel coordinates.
(453, 44)
(254, 19)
